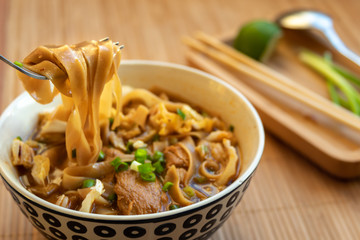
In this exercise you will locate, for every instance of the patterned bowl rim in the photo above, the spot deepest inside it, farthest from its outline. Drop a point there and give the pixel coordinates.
(154, 217)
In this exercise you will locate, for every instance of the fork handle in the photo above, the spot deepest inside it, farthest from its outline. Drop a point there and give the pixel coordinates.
(23, 70)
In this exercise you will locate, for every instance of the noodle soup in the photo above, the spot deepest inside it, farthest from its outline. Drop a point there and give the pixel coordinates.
(111, 152)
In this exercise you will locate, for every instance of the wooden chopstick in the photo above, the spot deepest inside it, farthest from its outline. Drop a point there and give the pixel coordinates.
(224, 54)
(276, 76)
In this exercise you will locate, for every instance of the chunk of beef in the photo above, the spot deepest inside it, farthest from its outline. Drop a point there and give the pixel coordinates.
(135, 196)
(176, 155)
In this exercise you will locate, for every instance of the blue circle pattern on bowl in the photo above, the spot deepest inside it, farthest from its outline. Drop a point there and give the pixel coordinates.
(196, 224)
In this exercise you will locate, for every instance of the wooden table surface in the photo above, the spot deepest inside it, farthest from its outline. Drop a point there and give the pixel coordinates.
(289, 198)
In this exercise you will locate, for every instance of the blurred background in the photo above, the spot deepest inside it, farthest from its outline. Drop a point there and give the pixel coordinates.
(290, 198)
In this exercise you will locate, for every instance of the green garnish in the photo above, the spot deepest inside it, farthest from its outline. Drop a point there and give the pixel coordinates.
(326, 69)
(111, 121)
(148, 177)
(146, 168)
(174, 206)
(189, 191)
(73, 153)
(200, 179)
(204, 114)
(167, 186)
(18, 64)
(141, 155)
(156, 138)
(204, 149)
(19, 138)
(173, 140)
(119, 165)
(129, 147)
(146, 172)
(231, 128)
(101, 156)
(158, 156)
(181, 113)
(158, 167)
(112, 197)
(88, 183)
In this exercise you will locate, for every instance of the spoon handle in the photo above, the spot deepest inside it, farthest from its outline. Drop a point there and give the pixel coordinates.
(339, 45)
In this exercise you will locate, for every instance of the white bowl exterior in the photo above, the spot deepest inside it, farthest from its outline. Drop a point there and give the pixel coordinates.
(194, 87)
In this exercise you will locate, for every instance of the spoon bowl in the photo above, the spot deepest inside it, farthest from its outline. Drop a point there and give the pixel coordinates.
(307, 20)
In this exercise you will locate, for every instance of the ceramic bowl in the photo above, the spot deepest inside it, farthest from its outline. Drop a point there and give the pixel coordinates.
(198, 221)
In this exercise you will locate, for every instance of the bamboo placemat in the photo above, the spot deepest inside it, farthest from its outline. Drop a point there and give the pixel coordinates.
(289, 198)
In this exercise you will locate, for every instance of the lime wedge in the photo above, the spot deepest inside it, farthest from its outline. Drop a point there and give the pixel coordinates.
(257, 39)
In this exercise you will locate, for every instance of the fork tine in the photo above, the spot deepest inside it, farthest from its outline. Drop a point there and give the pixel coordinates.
(104, 39)
(115, 43)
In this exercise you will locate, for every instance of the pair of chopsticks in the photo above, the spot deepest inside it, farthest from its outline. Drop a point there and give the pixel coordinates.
(234, 59)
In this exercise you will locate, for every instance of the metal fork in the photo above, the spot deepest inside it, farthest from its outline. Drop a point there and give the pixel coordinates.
(34, 74)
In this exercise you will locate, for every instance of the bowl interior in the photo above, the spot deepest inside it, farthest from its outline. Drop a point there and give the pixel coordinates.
(207, 92)
(193, 86)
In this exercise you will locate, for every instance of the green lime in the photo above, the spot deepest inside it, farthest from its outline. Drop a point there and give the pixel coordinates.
(257, 39)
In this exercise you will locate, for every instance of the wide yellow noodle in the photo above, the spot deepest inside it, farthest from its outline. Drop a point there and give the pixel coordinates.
(86, 76)
(96, 118)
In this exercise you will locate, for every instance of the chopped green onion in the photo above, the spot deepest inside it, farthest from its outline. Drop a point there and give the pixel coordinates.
(135, 166)
(112, 197)
(88, 183)
(158, 167)
(200, 179)
(231, 128)
(150, 177)
(140, 155)
(158, 156)
(167, 186)
(73, 153)
(181, 113)
(18, 64)
(204, 114)
(129, 147)
(146, 168)
(189, 191)
(123, 166)
(173, 140)
(174, 206)
(19, 138)
(119, 165)
(156, 138)
(101, 156)
(111, 121)
(204, 149)
(146, 172)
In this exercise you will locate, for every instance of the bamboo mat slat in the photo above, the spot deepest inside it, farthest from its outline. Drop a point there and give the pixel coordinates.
(289, 197)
